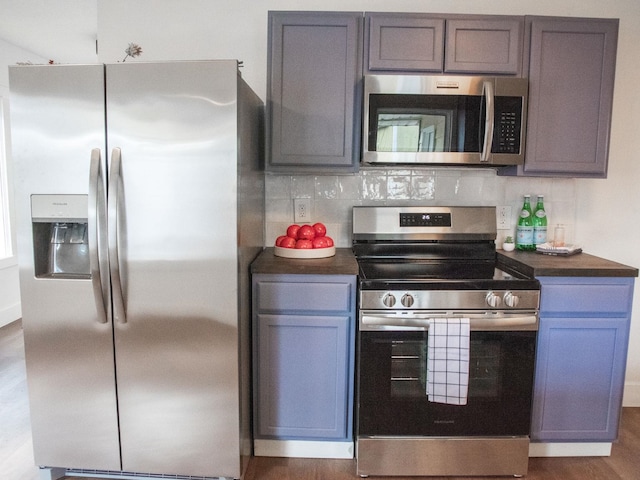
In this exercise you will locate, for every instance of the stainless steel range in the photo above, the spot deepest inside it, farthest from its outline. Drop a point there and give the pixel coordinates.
(446, 345)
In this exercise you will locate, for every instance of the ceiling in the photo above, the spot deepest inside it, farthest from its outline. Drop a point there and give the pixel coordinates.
(64, 31)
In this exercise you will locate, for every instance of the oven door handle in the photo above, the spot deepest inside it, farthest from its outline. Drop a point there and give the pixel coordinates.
(369, 321)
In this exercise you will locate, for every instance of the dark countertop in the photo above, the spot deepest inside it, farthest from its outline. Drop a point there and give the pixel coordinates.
(534, 264)
(343, 263)
(530, 264)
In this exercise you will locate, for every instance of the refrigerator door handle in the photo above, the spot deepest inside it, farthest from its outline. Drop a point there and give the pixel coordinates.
(96, 223)
(115, 180)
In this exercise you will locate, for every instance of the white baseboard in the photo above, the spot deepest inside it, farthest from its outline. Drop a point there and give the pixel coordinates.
(586, 449)
(10, 314)
(631, 396)
(302, 449)
(51, 473)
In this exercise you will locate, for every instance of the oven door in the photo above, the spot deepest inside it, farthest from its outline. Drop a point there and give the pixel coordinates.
(392, 399)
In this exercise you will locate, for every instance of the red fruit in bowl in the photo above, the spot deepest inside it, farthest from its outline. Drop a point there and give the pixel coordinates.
(288, 242)
(292, 231)
(306, 232)
(329, 241)
(304, 244)
(320, 242)
(279, 240)
(320, 229)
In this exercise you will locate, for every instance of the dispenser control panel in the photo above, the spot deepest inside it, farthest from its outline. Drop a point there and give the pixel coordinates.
(59, 208)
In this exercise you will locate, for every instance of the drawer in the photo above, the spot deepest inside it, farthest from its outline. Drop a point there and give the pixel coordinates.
(603, 296)
(304, 296)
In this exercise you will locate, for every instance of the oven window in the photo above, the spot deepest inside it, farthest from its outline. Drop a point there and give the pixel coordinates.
(392, 394)
(409, 373)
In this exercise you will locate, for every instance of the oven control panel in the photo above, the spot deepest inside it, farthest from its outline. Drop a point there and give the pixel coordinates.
(425, 219)
(450, 299)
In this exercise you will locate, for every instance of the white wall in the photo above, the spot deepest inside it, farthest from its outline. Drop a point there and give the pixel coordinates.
(9, 290)
(602, 214)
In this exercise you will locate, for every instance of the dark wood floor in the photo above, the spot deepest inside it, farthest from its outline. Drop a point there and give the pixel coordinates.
(16, 462)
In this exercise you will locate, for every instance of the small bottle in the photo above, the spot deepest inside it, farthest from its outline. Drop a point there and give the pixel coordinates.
(540, 222)
(524, 229)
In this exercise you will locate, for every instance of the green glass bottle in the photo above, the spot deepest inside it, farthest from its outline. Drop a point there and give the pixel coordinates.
(524, 229)
(539, 222)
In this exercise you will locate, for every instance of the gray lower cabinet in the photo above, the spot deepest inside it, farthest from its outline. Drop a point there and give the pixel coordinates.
(430, 43)
(314, 70)
(581, 358)
(571, 74)
(304, 341)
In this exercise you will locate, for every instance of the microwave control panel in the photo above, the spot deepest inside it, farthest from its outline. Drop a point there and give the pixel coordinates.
(508, 119)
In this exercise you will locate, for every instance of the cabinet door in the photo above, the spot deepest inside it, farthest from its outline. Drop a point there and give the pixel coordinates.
(404, 42)
(581, 358)
(302, 381)
(417, 43)
(313, 107)
(571, 78)
(579, 379)
(484, 45)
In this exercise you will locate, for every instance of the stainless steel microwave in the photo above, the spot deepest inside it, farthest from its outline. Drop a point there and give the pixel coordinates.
(442, 120)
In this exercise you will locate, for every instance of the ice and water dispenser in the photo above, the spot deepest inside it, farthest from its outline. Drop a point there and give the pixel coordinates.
(60, 236)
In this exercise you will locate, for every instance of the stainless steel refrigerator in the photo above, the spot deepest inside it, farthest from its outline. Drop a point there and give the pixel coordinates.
(139, 200)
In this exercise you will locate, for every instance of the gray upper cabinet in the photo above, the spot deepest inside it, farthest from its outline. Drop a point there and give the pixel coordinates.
(314, 71)
(431, 43)
(571, 78)
(484, 45)
(409, 42)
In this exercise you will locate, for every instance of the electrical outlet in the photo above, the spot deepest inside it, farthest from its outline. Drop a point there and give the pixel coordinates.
(503, 218)
(301, 209)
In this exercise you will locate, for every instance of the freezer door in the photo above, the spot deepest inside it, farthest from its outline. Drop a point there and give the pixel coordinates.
(173, 186)
(57, 119)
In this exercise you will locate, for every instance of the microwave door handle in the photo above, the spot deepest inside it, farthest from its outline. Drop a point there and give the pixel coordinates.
(115, 181)
(488, 93)
(95, 220)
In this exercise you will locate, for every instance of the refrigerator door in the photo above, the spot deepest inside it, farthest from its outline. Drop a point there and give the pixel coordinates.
(57, 119)
(172, 134)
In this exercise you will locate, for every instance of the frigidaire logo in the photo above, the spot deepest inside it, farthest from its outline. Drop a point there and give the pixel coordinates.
(444, 422)
(447, 84)
(60, 203)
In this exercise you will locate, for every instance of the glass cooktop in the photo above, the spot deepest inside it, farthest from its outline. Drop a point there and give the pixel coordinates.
(385, 274)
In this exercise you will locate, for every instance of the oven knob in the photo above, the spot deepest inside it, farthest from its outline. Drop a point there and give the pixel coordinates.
(493, 300)
(407, 300)
(511, 300)
(389, 300)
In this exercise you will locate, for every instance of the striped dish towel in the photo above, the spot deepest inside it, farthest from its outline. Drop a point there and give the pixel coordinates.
(448, 360)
